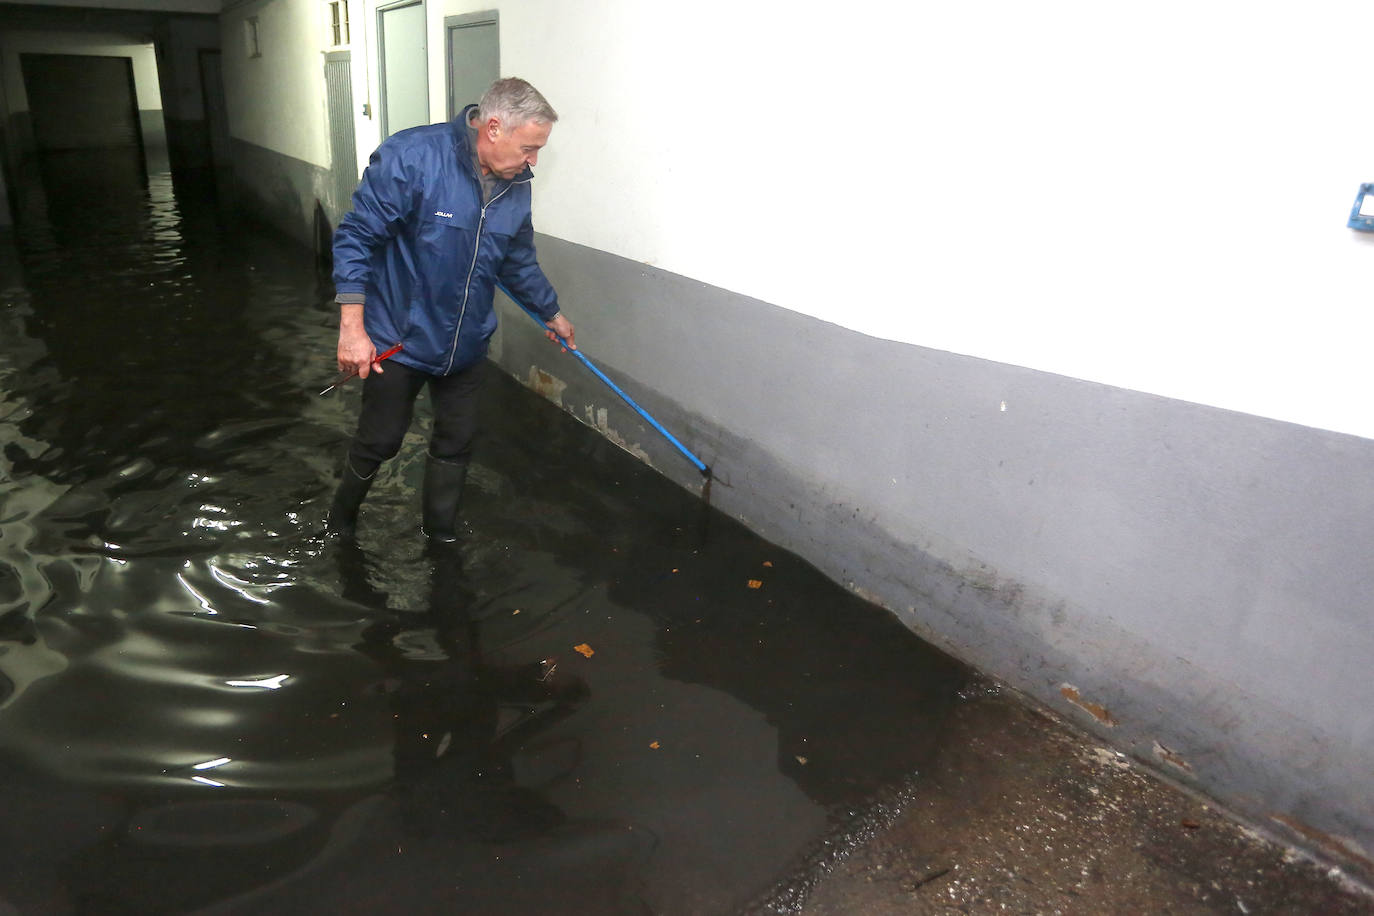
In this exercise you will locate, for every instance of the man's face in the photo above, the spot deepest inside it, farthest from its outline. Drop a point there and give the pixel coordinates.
(505, 153)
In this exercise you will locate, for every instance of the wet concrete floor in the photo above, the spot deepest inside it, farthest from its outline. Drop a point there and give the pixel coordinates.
(607, 699)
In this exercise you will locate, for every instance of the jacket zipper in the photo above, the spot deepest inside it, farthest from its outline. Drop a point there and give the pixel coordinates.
(467, 284)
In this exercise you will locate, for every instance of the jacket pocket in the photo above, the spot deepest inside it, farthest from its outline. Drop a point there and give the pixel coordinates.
(445, 243)
(426, 337)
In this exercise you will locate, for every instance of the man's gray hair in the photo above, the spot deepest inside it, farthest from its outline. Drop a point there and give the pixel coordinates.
(514, 102)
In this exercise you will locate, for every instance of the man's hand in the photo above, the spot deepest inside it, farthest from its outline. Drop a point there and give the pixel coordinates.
(356, 352)
(561, 331)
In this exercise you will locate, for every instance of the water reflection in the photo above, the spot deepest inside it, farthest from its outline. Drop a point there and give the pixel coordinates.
(206, 707)
(459, 719)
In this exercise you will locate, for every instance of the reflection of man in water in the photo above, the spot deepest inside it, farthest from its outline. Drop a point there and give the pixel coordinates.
(453, 756)
(441, 215)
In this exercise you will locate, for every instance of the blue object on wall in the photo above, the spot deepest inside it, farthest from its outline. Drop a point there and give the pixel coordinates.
(1362, 214)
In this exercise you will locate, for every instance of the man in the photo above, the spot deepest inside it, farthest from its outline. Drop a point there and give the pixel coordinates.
(441, 215)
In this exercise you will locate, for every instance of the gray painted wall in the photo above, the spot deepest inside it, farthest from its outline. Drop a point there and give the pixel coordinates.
(19, 142)
(1191, 584)
(153, 126)
(295, 196)
(188, 144)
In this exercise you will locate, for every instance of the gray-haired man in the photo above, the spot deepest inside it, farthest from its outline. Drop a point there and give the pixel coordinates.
(441, 215)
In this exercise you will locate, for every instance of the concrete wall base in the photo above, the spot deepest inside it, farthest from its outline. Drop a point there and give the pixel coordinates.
(188, 144)
(1190, 584)
(286, 192)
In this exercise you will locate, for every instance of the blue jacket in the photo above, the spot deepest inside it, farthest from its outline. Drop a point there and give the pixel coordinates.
(426, 255)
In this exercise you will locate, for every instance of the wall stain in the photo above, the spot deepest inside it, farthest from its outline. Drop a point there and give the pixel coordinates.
(1172, 758)
(598, 419)
(1009, 593)
(546, 385)
(1096, 710)
(551, 388)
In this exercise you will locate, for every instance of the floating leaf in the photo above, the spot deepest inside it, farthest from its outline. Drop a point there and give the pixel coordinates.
(801, 760)
(756, 583)
(768, 563)
(654, 745)
(584, 649)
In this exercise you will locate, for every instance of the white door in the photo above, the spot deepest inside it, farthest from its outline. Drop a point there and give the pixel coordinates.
(404, 66)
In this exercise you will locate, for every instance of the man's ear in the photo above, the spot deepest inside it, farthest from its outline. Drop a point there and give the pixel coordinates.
(493, 128)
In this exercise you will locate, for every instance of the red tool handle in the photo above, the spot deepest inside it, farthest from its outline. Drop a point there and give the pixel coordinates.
(345, 376)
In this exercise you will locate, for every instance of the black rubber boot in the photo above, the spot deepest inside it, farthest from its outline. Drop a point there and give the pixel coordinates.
(343, 514)
(443, 493)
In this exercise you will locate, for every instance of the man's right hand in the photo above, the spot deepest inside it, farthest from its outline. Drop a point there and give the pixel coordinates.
(356, 352)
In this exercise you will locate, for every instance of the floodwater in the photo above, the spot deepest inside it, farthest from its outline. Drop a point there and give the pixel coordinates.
(609, 698)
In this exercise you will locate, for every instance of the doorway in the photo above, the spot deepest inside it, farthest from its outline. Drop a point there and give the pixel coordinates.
(474, 57)
(404, 66)
(212, 100)
(87, 142)
(80, 101)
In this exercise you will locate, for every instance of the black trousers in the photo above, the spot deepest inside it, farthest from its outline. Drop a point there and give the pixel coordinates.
(389, 403)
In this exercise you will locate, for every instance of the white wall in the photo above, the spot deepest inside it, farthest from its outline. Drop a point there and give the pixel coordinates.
(1151, 196)
(279, 99)
(12, 44)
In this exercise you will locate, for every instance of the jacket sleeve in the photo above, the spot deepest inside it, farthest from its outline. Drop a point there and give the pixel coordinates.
(386, 197)
(522, 275)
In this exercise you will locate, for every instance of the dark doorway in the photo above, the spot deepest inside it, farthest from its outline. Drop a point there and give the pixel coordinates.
(79, 101)
(83, 113)
(212, 101)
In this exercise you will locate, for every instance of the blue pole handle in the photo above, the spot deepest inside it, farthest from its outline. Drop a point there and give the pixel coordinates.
(700, 465)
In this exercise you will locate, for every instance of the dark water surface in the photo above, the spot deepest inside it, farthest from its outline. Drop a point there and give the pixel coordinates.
(206, 707)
